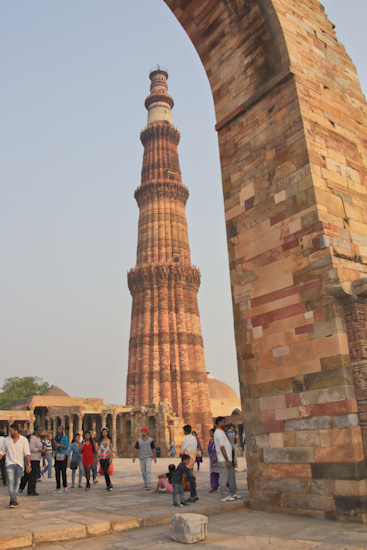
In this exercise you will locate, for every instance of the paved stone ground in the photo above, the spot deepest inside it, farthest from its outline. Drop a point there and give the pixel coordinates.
(131, 518)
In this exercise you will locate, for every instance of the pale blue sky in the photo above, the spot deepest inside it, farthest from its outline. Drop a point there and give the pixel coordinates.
(74, 78)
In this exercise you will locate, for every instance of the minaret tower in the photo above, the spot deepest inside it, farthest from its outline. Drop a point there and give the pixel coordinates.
(166, 354)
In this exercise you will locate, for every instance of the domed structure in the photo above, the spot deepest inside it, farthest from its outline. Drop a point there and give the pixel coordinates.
(56, 392)
(223, 398)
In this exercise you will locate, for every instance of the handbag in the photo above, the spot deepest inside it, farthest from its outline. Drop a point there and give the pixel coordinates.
(110, 470)
(74, 465)
(59, 457)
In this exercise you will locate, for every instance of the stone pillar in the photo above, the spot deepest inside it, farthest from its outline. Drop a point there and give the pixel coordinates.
(94, 424)
(103, 420)
(354, 298)
(31, 425)
(48, 423)
(54, 427)
(71, 427)
(114, 431)
(43, 419)
(80, 424)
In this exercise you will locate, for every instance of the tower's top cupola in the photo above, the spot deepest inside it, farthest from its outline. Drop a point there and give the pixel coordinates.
(159, 103)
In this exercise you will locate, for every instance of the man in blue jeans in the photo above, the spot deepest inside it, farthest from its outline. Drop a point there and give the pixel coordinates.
(188, 447)
(47, 459)
(15, 448)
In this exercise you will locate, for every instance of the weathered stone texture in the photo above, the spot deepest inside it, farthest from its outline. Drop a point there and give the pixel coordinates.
(188, 528)
(291, 122)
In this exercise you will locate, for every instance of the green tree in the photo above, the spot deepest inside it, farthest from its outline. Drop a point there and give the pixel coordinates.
(21, 387)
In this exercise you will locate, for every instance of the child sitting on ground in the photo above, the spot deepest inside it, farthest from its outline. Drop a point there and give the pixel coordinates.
(177, 481)
(164, 481)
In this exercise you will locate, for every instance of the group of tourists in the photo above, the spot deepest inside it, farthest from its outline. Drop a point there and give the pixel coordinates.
(221, 450)
(23, 458)
(84, 455)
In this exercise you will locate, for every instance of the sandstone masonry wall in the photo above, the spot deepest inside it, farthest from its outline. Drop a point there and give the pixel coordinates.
(291, 122)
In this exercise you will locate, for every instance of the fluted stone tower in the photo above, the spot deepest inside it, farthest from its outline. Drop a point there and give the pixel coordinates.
(166, 354)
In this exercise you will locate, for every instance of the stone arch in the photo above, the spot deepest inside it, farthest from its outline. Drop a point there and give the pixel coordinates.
(291, 123)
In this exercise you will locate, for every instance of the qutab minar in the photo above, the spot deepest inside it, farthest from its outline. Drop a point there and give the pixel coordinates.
(166, 353)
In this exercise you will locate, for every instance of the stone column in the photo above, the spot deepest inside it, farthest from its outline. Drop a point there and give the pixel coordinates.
(31, 425)
(354, 298)
(114, 431)
(103, 420)
(43, 419)
(54, 427)
(48, 423)
(71, 427)
(80, 424)
(94, 424)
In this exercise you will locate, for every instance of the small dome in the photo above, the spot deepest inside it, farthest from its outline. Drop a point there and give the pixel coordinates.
(56, 392)
(223, 398)
(220, 390)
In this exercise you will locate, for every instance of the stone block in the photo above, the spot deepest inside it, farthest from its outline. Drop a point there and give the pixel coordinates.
(289, 470)
(125, 523)
(345, 453)
(285, 414)
(304, 439)
(327, 395)
(314, 502)
(325, 409)
(63, 532)
(313, 423)
(188, 528)
(98, 529)
(292, 485)
(272, 402)
(262, 441)
(298, 455)
(346, 487)
(334, 373)
(340, 470)
(346, 504)
(16, 541)
(276, 440)
(323, 487)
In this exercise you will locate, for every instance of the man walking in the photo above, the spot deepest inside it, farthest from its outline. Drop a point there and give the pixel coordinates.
(15, 448)
(227, 474)
(188, 447)
(47, 459)
(147, 452)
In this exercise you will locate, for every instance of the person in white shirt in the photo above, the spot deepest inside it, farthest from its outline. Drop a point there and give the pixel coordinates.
(188, 447)
(227, 475)
(15, 449)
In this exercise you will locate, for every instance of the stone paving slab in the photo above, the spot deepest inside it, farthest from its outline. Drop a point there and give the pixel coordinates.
(78, 514)
(240, 530)
(130, 518)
